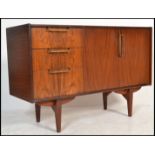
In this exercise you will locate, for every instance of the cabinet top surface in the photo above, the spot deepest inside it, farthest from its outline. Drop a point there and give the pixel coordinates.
(79, 26)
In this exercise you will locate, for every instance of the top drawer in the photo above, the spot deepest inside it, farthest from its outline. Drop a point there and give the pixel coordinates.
(51, 37)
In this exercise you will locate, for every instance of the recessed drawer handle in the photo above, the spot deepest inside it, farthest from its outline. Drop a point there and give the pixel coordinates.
(66, 70)
(57, 29)
(52, 51)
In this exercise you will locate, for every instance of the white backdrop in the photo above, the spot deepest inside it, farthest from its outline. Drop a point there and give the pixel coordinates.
(86, 145)
(10, 103)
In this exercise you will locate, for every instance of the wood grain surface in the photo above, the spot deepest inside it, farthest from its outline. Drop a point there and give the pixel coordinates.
(49, 85)
(20, 62)
(100, 59)
(134, 66)
(93, 61)
(43, 38)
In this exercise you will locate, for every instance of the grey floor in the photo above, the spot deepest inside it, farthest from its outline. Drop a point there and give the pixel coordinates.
(84, 116)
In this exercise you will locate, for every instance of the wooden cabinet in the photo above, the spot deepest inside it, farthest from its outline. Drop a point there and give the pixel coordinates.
(50, 65)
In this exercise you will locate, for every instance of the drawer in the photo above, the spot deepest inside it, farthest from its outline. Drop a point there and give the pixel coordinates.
(48, 85)
(57, 59)
(57, 73)
(51, 37)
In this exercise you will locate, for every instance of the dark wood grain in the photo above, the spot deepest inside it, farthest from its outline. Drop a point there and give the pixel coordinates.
(20, 62)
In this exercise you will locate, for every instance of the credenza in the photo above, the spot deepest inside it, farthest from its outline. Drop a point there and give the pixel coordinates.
(50, 65)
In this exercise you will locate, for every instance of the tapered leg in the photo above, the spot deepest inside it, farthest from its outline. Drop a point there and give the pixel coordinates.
(130, 104)
(129, 98)
(56, 105)
(37, 110)
(57, 109)
(105, 95)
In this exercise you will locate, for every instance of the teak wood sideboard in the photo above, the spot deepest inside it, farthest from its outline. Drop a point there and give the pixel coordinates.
(50, 65)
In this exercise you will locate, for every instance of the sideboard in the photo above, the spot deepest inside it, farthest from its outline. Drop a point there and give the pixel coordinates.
(50, 65)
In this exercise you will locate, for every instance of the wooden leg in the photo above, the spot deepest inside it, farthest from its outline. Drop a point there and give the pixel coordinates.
(129, 102)
(37, 110)
(129, 98)
(128, 94)
(56, 105)
(105, 95)
(57, 109)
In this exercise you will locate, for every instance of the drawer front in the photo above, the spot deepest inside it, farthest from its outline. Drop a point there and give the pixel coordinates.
(57, 73)
(45, 59)
(57, 37)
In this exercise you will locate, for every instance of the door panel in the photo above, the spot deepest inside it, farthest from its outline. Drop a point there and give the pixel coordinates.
(101, 59)
(135, 62)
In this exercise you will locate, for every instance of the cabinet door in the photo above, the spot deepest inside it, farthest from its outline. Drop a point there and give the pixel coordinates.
(135, 59)
(101, 59)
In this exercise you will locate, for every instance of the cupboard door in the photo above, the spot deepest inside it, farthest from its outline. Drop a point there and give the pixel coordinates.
(101, 59)
(135, 60)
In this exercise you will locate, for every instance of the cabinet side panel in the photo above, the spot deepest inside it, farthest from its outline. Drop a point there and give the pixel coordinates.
(19, 62)
(151, 46)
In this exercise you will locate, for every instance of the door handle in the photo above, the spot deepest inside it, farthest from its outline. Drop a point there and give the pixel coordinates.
(120, 50)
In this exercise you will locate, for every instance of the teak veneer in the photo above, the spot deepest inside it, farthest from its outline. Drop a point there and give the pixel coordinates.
(49, 65)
